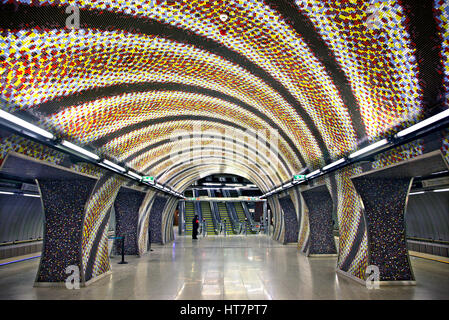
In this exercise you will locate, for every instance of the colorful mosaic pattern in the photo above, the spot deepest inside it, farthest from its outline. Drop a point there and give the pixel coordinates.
(384, 201)
(351, 252)
(407, 151)
(255, 70)
(290, 220)
(167, 220)
(189, 172)
(127, 208)
(442, 17)
(97, 212)
(319, 203)
(378, 60)
(63, 202)
(142, 227)
(304, 228)
(155, 219)
(13, 143)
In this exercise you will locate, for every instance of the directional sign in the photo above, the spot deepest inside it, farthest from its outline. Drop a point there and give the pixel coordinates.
(299, 177)
(148, 179)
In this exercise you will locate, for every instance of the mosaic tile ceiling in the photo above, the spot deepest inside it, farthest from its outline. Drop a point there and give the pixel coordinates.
(136, 78)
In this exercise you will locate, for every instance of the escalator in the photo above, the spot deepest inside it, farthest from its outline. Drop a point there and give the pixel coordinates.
(190, 214)
(241, 215)
(224, 214)
(207, 214)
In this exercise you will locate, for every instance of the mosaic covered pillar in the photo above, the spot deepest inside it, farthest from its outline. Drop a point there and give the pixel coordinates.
(321, 237)
(304, 229)
(278, 223)
(63, 202)
(384, 202)
(353, 242)
(290, 219)
(143, 223)
(155, 219)
(127, 205)
(168, 219)
(94, 246)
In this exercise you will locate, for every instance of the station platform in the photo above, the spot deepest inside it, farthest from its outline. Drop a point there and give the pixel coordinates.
(251, 267)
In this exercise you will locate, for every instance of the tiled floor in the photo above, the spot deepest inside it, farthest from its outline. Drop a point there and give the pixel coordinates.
(236, 267)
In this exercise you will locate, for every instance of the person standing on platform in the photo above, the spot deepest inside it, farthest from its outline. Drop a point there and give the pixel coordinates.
(195, 226)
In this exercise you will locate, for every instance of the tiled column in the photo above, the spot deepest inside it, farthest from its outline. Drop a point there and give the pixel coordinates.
(384, 203)
(94, 248)
(155, 219)
(321, 238)
(290, 219)
(304, 230)
(142, 226)
(127, 205)
(63, 202)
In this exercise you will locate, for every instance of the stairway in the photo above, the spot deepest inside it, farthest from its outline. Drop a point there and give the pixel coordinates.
(207, 214)
(241, 215)
(239, 210)
(224, 214)
(190, 214)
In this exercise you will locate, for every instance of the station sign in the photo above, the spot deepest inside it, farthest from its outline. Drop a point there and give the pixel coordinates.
(149, 179)
(299, 177)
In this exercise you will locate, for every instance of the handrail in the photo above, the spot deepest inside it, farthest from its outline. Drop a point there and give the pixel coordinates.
(20, 241)
(428, 240)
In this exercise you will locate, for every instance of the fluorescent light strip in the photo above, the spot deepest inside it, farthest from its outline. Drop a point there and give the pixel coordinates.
(26, 125)
(113, 165)
(424, 123)
(441, 190)
(6, 192)
(31, 195)
(313, 174)
(288, 185)
(333, 164)
(413, 193)
(440, 172)
(369, 148)
(135, 175)
(158, 186)
(80, 150)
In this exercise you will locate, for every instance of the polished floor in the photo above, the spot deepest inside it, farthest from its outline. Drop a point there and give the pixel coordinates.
(235, 267)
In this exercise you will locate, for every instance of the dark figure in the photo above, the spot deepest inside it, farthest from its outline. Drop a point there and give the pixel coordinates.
(195, 226)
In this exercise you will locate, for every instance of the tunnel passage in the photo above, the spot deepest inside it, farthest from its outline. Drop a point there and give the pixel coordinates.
(169, 90)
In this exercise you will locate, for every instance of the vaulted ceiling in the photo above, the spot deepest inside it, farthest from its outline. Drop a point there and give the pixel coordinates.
(139, 81)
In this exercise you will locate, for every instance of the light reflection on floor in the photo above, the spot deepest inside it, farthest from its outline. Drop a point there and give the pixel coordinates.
(235, 267)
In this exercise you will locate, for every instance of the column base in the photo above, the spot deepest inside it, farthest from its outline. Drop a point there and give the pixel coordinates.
(324, 255)
(62, 284)
(381, 283)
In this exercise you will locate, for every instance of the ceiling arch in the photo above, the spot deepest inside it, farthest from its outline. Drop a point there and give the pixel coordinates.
(199, 163)
(314, 70)
(190, 146)
(171, 169)
(188, 177)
